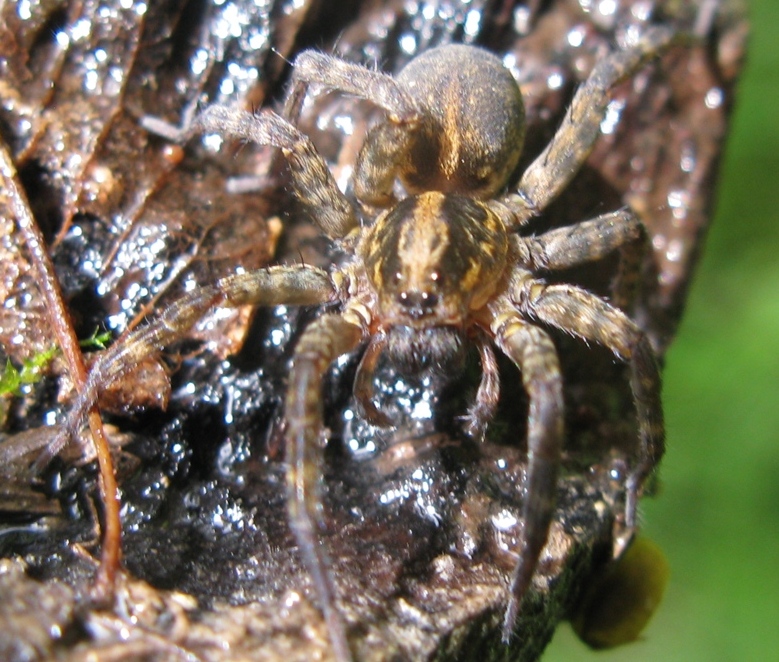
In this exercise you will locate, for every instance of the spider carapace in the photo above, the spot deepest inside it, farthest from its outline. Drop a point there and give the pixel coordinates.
(436, 259)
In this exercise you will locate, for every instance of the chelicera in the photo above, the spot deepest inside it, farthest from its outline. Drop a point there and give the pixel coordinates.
(436, 259)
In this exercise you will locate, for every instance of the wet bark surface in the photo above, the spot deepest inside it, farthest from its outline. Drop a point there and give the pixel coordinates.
(421, 523)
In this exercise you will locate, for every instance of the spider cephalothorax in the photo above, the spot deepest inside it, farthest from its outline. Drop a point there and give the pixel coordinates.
(433, 258)
(440, 262)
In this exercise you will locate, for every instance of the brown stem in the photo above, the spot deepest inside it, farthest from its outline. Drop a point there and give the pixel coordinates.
(68, 342)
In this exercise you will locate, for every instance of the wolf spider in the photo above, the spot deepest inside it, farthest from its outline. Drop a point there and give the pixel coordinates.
(436, 258)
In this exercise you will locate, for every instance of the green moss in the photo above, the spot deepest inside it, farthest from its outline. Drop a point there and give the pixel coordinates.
(33, 369)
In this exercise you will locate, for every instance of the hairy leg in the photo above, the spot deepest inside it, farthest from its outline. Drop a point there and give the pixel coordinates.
(299, 285)
(587, 241)
(583, 314)
(312, 180)
(557, 165)
(363, 382)
(482, 411)
(322, 342)
(533, 352)
(387, 143)
(590, 241)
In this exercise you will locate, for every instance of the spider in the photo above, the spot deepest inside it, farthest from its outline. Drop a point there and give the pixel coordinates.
(436, 259)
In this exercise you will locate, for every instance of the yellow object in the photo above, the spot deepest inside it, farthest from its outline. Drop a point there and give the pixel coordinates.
(619, 603)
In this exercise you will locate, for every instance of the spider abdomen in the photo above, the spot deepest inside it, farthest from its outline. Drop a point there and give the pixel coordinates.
(473, 119)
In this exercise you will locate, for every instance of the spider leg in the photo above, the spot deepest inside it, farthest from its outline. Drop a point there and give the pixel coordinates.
(533, 352)
(322, 342)
(356, 80)
(312, 180)
(627, 280)
(590, 241)
(582, 242)
(557, 165)
(387, 143)
(587, 316)
(363, 382)
(482, 411)
(299, 285)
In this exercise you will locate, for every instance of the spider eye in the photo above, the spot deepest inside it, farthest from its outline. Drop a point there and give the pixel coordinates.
(418, 304)
(438, 281)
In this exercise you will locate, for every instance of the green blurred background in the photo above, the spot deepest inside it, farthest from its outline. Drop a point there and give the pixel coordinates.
(717, 516)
